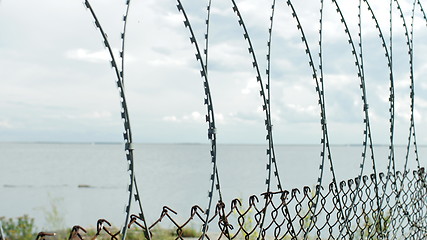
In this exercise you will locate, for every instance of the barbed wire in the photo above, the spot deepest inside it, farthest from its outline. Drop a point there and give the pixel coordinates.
(387, 205)
(210, 117)
(127, 134)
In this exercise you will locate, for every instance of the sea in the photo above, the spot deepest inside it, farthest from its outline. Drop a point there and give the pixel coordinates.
(67, 184)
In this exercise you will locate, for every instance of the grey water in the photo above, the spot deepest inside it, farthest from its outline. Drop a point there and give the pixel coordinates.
(62, 185)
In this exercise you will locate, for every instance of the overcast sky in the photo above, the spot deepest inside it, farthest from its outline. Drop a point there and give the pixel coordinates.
(57, 83)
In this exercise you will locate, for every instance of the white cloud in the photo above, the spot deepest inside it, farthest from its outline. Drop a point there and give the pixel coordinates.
(175, 19)
(170, 119)
(309, 110)
(192, 117)
(245, 117)
(167, 61)
(251, 85)
(5, 124)
(196, 115)
(90, 115)
(219, 117)
(98, 114)
(86, 55)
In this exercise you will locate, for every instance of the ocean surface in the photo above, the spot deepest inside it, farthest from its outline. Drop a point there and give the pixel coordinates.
(61, 185)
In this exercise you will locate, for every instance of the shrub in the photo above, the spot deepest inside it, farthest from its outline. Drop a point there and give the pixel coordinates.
(20, 228)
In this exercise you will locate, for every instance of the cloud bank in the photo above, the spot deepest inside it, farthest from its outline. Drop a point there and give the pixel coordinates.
(57, 83)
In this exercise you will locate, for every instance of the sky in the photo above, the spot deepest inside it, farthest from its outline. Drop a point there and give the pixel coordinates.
(57, 84)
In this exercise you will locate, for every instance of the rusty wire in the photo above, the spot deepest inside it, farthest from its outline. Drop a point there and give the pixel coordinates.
(410, 206)
(292, 208)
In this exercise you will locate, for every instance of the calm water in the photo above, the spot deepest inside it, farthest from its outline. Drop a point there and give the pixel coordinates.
(37, 178)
